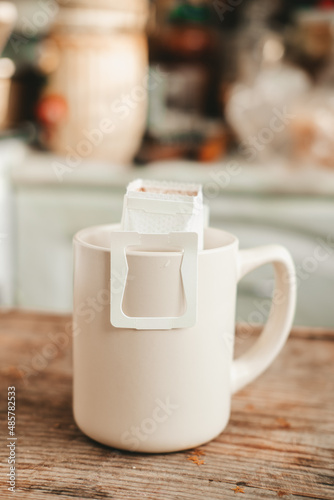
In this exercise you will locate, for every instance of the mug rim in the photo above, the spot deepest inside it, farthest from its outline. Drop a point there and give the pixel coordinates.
(79, 239)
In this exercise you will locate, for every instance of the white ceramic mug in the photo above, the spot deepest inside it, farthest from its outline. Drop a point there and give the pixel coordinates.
(167, 390)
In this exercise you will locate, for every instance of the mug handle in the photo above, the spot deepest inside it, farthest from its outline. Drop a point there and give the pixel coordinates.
(257, 359)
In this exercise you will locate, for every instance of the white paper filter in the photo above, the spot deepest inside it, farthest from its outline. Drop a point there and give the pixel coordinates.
(152, 207)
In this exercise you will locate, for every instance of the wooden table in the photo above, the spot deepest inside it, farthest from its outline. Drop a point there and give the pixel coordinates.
(279, 442)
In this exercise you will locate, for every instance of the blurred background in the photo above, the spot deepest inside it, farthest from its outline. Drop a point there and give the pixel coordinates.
(235, 94)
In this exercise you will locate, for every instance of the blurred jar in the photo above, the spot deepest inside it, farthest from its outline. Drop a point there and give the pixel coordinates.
(310, 39)
(8, 16)
(7, 69)
(94, 104)
(258, 105)
(261, 113)
(312, 129)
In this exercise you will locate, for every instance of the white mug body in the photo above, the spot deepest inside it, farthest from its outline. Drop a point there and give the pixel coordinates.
(153, 390)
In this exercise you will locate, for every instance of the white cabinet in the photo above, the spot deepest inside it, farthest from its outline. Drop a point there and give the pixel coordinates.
(260, 206)
(12, 153)
(47, 219)
(305, 225)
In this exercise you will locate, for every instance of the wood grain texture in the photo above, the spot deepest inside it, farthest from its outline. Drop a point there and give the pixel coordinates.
(279, 442)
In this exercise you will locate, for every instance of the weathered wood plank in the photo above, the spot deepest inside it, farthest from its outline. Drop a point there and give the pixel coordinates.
(279, 442)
